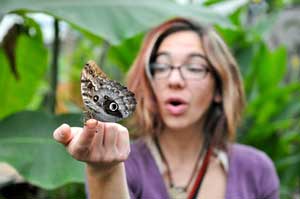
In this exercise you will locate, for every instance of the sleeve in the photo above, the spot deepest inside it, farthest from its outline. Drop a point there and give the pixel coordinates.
(132, 171)
(269, 181)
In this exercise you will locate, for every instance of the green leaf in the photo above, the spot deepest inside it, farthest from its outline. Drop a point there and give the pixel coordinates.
(265, 130)
(228, 7)
(288, 161)
(259, 31)
(113, 20)
(26, 143)
(31, 62)
(269, 113)
(274, 95)
(268, 68)
(124, 54)
(271, 67)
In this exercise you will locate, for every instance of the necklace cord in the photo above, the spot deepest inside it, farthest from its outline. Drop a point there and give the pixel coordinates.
(201, 171)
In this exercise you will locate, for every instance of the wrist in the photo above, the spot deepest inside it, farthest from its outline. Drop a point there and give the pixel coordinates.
(108, 182)
(103, 171)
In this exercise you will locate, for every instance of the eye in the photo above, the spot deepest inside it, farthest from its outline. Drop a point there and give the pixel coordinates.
(196, 68)
(157, 67)
(96, 98)
(113, 106)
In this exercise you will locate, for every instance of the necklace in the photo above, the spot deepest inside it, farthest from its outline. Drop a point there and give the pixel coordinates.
(181, 192)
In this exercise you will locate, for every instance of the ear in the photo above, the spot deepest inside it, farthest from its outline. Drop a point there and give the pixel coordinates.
(217, 97)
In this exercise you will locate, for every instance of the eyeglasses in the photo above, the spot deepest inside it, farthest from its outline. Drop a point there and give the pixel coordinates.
(187, 71)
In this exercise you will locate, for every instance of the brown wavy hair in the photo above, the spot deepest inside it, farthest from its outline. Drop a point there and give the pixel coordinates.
(222, 118)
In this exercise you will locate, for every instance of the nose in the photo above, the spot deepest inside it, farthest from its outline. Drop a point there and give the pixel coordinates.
(176, 79)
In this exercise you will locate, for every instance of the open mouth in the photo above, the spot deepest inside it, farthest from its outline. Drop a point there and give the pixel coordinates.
(176, 106)
(175, 103)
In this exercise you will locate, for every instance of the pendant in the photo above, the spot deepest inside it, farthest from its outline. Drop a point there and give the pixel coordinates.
(177, 193)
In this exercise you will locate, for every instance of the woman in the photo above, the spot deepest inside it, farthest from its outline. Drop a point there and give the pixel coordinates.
(189, 102)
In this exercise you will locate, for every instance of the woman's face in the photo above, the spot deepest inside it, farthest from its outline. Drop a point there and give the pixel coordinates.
(184, 95)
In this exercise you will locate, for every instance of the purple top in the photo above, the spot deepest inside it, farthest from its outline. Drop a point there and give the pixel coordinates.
(251, 174)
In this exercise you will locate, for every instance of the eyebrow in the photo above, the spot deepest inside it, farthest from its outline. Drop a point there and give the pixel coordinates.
(197, 55)
(162, 53)
(188, 57)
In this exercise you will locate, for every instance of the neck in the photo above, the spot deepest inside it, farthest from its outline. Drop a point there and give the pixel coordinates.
(181, 144)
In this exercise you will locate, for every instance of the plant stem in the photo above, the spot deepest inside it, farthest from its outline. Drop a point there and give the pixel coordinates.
(54, 67)
(104, 50)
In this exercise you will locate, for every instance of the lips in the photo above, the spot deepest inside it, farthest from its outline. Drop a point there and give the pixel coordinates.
(176, 106)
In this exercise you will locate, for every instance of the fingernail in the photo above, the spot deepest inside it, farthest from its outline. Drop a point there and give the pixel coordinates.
(61, 134)
(64, 125)
(62, 129)
(91, 123)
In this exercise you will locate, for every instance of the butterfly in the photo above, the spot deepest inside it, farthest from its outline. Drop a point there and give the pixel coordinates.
(104, 99)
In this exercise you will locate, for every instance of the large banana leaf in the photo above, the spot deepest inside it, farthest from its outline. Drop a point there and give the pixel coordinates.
(31, 61)
(113, 20)
(27, 144)
(228, 7)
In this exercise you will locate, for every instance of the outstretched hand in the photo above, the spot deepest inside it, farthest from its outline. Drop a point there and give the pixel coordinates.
(101, 145)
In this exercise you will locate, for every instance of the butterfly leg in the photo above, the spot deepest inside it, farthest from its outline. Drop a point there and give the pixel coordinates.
(86, 116)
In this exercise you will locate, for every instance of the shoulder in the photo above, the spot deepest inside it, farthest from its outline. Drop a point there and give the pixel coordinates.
(253, 170)
(249, 159)
(249, 156)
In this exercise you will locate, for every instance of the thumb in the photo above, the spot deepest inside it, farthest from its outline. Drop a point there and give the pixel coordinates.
(63, 134)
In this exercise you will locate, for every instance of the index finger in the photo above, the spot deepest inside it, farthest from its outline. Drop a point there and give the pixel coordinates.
(90, 129)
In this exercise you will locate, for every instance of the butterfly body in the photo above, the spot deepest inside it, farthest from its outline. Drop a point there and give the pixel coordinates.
(104, 99)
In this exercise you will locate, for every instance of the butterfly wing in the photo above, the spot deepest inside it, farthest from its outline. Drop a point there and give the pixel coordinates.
(105, 100)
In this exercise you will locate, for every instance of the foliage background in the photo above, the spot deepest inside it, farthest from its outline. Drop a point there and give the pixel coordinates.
(39, 79)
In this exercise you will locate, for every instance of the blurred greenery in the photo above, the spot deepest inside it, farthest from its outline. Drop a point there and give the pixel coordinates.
(29, 146)
(114, 20)
(111, 32)
(18, 94)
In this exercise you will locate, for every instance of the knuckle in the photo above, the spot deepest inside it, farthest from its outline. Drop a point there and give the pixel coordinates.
(109, 128)
(108, 159)
(79, 153)
(124, 130)
(110, 156)
(123, 156)
(121, 127)
(100, 127)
